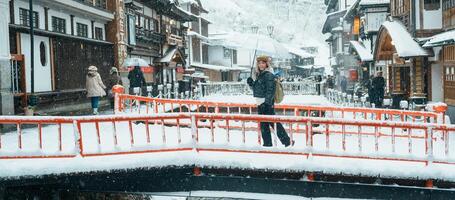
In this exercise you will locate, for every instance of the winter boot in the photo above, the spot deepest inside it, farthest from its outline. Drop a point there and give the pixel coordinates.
(95, 111)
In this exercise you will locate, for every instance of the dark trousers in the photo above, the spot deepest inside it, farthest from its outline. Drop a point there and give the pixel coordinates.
(95, 101)
(265, 127)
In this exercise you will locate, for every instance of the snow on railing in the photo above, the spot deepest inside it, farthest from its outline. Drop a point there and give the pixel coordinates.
(137, 104)
(133, 134)
(238, 88)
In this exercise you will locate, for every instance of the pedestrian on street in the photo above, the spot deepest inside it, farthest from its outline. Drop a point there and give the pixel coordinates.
(343, 84)
(264, 93)
(114, 79)
(371, 92)
(95, 87)
(137, 79)
(378, 85)
(330, 83)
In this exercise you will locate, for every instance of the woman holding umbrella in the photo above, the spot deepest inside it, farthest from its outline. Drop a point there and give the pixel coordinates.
(264, 93)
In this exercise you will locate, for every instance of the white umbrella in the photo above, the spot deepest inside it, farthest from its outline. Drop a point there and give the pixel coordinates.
(261, 44)
(131, 62)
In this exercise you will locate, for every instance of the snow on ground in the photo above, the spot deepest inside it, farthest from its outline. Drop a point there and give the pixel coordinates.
(288, 99)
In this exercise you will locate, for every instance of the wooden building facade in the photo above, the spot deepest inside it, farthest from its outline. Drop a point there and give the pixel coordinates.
(398, 44)
(68, 37)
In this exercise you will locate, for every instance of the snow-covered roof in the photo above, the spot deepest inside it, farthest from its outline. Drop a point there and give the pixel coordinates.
(358, 3)
(198, 35)
(441, 39)
(332, 20)
(217, 67)
(309, 66)
(404, 44)
(299, 52)
(169, 55)
(373, 2)
(186, 12)
(338, 28)
(362, 51)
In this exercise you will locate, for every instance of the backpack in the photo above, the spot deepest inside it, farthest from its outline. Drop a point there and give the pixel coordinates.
(279, 93)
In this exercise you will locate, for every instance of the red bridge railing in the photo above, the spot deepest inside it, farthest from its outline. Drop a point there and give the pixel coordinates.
(146, 105)
(313, 136)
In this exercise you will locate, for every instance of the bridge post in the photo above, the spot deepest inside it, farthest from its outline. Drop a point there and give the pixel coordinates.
(429, 145)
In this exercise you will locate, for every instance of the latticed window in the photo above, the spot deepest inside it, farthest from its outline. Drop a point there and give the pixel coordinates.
(432, 4)
(82, 30)
(98, 33)
(58, 25)
(100, 4)
(24, 17)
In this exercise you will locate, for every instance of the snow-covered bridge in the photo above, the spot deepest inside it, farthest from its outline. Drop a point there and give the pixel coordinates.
(206, 137)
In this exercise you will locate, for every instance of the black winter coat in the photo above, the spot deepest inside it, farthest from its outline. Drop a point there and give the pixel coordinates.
(136, 78)
(378, 83)
(264, 87)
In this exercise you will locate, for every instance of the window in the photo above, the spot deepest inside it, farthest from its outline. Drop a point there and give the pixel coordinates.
(432, 4)
(234, 56)
(226, 52)
(82, 30)
(448, 4)
(42, 51)
(98, 33)
(100, 3)
(58, 25)
(25, 19)
(448, 19)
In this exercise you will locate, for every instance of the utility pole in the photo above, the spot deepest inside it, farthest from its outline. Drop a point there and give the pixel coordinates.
(32, 100)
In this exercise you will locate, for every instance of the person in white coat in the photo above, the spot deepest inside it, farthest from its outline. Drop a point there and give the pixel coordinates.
(95, 88)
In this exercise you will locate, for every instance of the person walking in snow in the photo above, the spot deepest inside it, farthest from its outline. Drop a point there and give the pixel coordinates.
(95, 87)
(137, 79)
(264, 93)
(379, 86)
(114, 79)
(343, 84)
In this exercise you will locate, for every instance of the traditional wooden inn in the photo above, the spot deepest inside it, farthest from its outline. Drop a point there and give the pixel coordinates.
(443, 63)
(408, 65)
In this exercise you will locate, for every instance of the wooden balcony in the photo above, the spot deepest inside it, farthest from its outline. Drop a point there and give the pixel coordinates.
(175, 40)
(149, 36)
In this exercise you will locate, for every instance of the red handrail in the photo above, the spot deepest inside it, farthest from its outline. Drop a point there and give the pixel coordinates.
(378, 114)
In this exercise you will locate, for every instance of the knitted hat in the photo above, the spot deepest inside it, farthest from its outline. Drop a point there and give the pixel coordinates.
(92, 68)
(263, 58)
(114, 70)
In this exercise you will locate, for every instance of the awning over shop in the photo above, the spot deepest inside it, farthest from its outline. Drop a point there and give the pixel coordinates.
(364, 54)
(394, 38)
(171, 55)
(445, 38)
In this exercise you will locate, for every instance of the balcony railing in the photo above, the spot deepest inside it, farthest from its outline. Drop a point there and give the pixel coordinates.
(175, 40)
(102, 4)
(149, 36)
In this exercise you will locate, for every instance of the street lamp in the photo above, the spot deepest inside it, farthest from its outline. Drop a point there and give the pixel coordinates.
(254, 29)
(270, 29)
